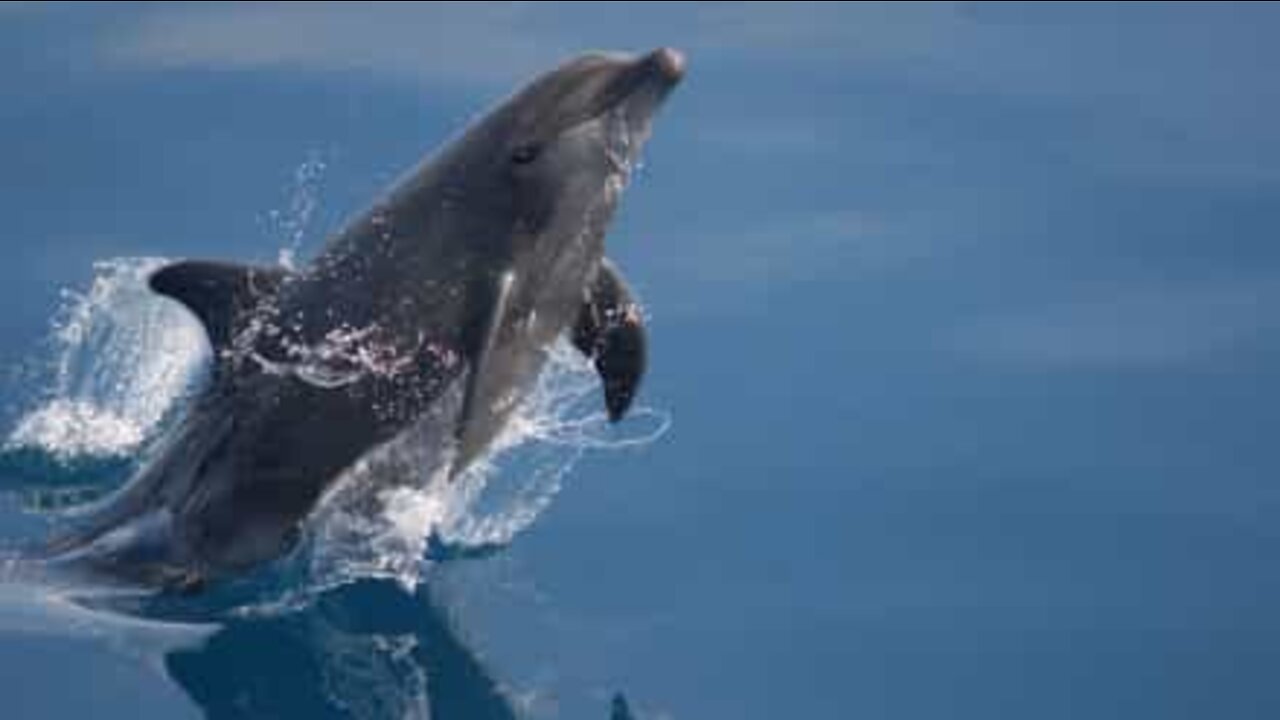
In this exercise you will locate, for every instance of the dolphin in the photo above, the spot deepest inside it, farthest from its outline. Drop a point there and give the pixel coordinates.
(432, 311)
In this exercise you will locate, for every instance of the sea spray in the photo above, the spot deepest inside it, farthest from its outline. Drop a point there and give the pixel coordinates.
(122, 356)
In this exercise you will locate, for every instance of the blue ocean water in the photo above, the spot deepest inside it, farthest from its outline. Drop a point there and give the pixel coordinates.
(964, 350)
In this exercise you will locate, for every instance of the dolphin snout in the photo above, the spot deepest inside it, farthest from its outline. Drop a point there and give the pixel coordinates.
(669, 61)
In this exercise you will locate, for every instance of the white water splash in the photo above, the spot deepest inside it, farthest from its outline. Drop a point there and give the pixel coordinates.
(289, 225)
(501, 494)
(122, 356)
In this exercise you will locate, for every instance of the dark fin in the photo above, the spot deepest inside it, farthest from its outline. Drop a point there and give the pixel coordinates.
(610, 331)
(221, 294)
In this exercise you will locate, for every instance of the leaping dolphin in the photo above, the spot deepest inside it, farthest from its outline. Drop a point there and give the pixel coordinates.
(453, 284)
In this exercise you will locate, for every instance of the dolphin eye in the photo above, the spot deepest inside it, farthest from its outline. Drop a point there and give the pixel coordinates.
(524, 154)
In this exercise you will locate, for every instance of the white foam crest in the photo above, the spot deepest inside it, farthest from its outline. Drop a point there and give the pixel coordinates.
(122, 356)
(73, 428)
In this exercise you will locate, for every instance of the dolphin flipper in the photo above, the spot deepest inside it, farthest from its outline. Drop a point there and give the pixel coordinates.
(610, 331)
(480, 393)
(222, 295)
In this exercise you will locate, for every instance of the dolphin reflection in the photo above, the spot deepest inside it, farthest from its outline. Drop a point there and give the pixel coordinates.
(366, 650)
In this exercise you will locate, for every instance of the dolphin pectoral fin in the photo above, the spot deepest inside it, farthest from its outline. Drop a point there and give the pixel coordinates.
(610, 331)
(220, 294)
(476, 427)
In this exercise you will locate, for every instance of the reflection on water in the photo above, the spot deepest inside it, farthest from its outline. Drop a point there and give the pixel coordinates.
(369, 649)
(366, 650)
(43, 484)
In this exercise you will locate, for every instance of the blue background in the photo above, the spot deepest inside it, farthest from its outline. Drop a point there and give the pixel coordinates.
(965, 315)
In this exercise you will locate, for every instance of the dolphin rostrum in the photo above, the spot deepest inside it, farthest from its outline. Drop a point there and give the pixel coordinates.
(436, 305)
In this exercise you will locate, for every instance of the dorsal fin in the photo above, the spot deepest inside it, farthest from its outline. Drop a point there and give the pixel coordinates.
(222, 295)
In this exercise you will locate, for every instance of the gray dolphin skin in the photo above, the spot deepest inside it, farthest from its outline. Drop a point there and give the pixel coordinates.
(431, 311)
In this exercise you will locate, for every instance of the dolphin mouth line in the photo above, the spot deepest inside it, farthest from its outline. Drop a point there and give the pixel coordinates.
(628, 107)
(655, 74)
(630, 116)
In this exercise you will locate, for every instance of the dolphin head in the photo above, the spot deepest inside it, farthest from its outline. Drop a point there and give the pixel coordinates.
(589, 116)
(531, 188)
(545, 167)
